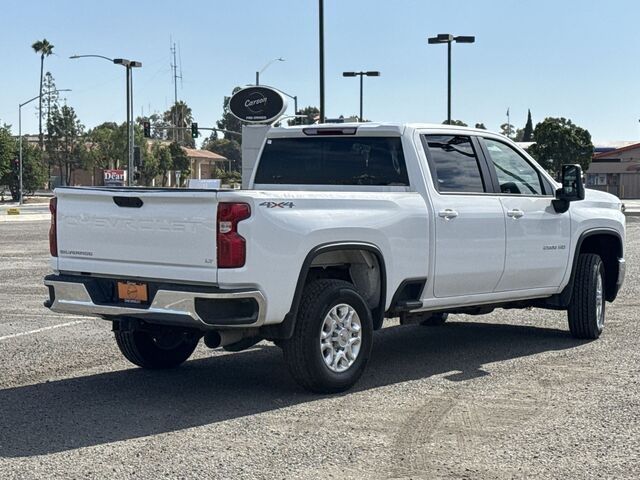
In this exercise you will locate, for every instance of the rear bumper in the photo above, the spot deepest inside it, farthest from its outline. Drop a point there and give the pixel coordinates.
(170, 304)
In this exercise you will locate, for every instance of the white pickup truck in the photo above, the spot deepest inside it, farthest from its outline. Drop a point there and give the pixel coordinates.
(343, 226)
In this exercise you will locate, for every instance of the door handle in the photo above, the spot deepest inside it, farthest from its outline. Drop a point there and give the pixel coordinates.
(447, 214)
(515, 213)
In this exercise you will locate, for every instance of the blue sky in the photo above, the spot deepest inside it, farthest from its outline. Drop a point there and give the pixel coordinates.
(578, 59)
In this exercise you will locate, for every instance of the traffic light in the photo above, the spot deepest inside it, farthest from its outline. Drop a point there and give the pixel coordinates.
(146, 128)
(137, 160)
(194, 130)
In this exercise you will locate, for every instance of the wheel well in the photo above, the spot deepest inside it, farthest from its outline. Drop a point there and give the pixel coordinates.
(359, 267)
(609, 248)
(358, 263)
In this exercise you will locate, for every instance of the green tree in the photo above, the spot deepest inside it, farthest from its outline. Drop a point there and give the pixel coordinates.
(50, 99)
(7, 154)
(44, 48)
(508, 130)
(559, 141)
(458, 123)
(65, 142)
(179, 115)
(310, 116)
(228, 121)
(481, 126)
(50, 96)
(527, 135)
(165, 162)
(180, 161)
(227, 178)
(150, 167)
(7, 157)
(33, 172)
(228, 148)
(160, 128)
(106, 146)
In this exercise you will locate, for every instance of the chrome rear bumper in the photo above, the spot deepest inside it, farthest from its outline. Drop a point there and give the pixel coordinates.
(170, 307)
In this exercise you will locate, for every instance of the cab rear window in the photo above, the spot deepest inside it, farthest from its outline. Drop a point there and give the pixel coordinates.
(333, 161)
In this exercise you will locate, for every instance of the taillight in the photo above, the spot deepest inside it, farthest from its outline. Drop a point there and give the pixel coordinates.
(232, 249)
(53, 231)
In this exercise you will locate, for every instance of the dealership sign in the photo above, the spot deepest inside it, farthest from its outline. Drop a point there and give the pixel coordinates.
(257, 104)
(114, 178)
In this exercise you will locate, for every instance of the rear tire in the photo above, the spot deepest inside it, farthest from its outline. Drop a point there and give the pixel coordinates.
(435, 320)
(332, 339)
(166, 348)
(586, 312)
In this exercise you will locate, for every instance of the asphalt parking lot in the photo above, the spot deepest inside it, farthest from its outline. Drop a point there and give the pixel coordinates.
(507, 395)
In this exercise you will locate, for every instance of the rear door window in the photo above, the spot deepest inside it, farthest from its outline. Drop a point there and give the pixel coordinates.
(454, 164)
(333, 161)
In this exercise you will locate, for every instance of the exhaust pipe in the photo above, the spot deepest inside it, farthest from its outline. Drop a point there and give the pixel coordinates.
(223, 338)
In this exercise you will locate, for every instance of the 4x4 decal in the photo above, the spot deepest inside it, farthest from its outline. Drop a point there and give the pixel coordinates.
(277, 204)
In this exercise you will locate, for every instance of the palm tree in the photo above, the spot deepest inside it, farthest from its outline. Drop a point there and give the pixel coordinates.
(44, 48)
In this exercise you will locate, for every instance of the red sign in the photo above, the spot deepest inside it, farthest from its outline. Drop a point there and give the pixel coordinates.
(114, 178)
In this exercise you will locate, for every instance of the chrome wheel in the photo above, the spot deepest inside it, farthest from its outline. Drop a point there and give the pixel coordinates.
(340, 337)
(600, 302)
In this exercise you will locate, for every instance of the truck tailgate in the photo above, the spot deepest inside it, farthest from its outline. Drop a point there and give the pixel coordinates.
(143, 233)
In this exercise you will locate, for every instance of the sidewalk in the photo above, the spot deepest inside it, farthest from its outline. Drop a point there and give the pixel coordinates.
(632, 207)
(28, 212)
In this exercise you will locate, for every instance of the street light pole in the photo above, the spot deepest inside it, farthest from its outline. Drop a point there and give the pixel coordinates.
(20, 152)
(20, 166)
(361, 97)
(129, 136)
(128, 65)
(321, 55)
(449, 83)
(295, 104)
(361, 74)
(258, 72)
(449, 39)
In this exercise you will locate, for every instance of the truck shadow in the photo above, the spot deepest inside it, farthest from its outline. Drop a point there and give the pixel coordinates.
(108, 407)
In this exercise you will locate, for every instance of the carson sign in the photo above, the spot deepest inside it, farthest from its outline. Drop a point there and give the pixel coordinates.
(257, 104)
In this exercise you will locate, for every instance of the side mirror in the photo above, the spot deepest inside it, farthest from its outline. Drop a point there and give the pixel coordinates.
(572, 188)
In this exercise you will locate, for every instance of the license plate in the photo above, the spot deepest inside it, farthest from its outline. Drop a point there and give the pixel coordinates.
(132, 292)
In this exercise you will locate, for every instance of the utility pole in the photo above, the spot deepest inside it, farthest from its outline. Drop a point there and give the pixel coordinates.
(174, 66)
(508, 123)
(321, 41)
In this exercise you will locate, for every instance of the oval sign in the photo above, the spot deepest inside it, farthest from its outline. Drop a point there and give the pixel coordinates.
(257, 104)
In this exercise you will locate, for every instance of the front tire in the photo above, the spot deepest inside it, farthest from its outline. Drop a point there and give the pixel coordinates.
(586, 310)
(162, 349)
(332, 339)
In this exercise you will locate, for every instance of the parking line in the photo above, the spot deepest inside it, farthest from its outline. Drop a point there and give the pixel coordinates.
(44, 329)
